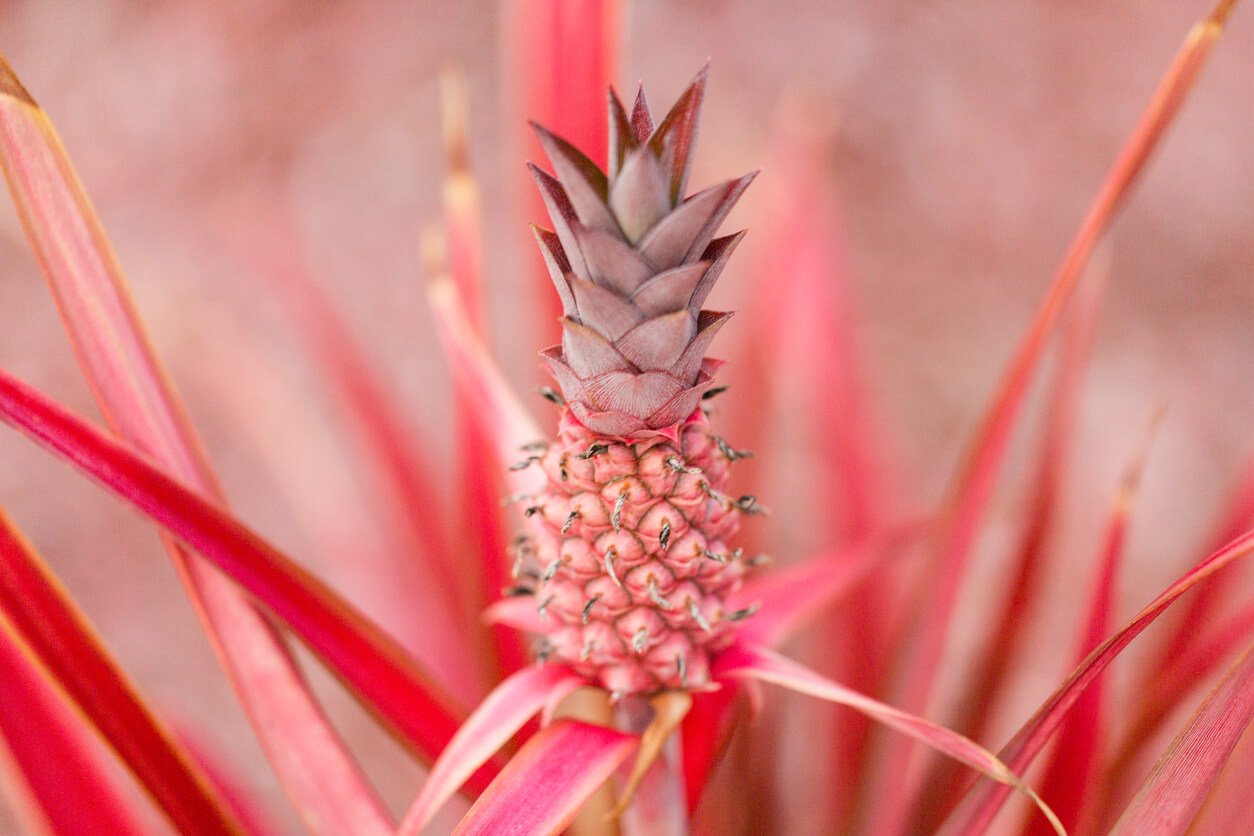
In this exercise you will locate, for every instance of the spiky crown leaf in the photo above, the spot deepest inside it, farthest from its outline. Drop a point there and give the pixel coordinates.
(633, 261)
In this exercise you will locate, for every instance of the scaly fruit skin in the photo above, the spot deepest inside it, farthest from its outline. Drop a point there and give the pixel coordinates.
(629, 555)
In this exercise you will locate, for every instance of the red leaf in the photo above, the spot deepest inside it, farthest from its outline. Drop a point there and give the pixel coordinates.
(984, 800)
(479, 474)
(1063, 401)
(367, 660)
(1194, 646)
(704, 737)
(61, 773)
(562, 55)
(1180, 781)
(545, 784)
(58, 635)
(1182, 675)
(767, 666)
(135, 395)
(973, 487)
(510, 705)
(1230, 806)
(1070, 777)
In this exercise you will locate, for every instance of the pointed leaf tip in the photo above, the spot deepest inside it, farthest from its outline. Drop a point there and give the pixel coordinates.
(641, 119)
(11, 85)
(674, 138)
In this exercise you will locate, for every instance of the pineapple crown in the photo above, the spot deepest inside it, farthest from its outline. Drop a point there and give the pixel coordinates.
(633, 261)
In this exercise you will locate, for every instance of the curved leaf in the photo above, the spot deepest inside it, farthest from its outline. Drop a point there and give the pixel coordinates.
(1069, 779)
(768, 666)
(790, 597)
(545, 784)
(1180, 781)
(972, 489)
(376, 669)
(979, 806)
(58, 635)
(510, 705)
(136, 397)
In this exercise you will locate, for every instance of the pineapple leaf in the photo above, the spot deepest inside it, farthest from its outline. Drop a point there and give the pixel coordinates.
(499, 717)
(138, 400)
(37, 609)
(974, 483)
(1069, 778)
(54, 768)
(569, 759)
(1178, 785)
(984, 800)
(374, 667)
(745, 661)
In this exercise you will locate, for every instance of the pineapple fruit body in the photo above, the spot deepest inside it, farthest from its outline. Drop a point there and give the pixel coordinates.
(630, 556)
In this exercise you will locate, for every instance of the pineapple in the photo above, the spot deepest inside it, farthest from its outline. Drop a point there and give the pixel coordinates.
(630, 557)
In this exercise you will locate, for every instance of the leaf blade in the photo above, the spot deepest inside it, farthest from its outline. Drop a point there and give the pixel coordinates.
(137, 398)
(66, 784)
(982, 802)
(570, 759)
(768, 666)
(57, 633)
(497, 719)
(972, 489)
(376, 668)
(1177, 787)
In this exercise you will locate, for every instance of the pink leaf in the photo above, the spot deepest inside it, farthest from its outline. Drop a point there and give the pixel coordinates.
(41, 613)
(790, 597)
(1070, 777)
(984, 800)
(484, 551)
(975, 708)
(543, 787)
(705, 735)
(1180, 781)
(411, 505)
(498, 718)
(562, 55)
(136, 397)
(768, 666)
(519, 614)
(498, 407)
(973, 487)
(1198, 659)
(369, 662)
(1193, 647)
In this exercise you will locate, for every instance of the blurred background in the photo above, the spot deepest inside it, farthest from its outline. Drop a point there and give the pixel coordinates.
(963, 143)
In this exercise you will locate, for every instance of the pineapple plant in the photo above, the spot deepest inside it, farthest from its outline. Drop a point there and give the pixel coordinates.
(629, 571)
